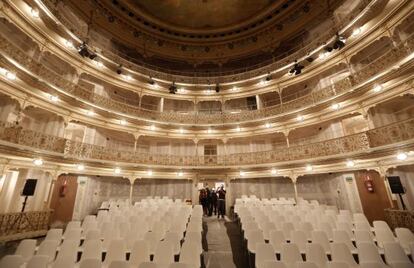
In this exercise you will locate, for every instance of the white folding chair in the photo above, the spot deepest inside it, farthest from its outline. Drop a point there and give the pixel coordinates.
(164, 254)
(190, 254)
(26, 249)
(54, 234)
(320, 237)
(116, 252)
(277, 239)
(139, 253)
(394, 253)
(405, 237)
(368, 253)
(264, 252)
(92, 249)
(315, 253)
(340, 253)
(38, 261)
(11, 261)
(48, 248)
(290, 254)
(90, 263)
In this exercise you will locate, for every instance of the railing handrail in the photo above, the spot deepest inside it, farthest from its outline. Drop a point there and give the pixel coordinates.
(196, 159)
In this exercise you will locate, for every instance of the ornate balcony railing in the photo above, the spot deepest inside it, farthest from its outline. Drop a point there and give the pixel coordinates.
(49, 75)
(188, 77)
(15, 226)
(360, 142)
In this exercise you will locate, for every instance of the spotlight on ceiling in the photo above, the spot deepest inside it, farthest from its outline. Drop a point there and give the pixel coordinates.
(149, 172)
(402, 156)
(309, 168)
(35, 13)
(350, 163)
(119, 69)
(217, 88)
(273, 171)
(268, 77)
(81, 167)
(356, 31)
(339, 42)
(377, 88)
(172, 89)
(297, 69)
(10, 75)
(117, 170)
(335, 106)
(242, 173)
(180, 173)
(268, 125)
(38, 162)
(85, 52)
(310, 59)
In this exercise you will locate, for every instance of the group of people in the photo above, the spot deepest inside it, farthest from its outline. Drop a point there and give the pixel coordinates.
(213, 201)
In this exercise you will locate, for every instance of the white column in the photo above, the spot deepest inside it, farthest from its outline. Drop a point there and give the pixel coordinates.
(162, 105)
(258, 102)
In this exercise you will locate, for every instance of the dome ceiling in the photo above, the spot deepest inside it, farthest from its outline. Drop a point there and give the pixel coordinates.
(202, 37)
(200, 15)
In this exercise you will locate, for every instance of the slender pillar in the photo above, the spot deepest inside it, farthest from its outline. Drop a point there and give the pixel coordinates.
(383, 175)
(131, 189)
(162, 105)
(258, 102)
(55, 175)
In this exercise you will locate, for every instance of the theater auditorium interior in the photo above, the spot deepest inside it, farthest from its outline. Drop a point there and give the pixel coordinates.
(206, 133)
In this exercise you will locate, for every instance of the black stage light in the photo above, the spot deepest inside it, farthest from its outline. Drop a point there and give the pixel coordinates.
(268, 78)
(119, 69)
(172, 89)
(83, 50)
(217, 88)
(310, 59)
(338, 44)
(151, 82)
(329, 49)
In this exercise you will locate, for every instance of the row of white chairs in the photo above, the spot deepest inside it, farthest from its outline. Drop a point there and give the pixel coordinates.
(78, 245)
(315, 256)
(261, 222)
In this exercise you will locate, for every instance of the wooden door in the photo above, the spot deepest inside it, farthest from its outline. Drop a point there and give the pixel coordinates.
(63, 198)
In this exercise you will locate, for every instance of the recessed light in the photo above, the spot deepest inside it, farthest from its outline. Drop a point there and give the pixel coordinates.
(10, 75)
(152, 127)
(180, 173)
(128, 77)
(273, 171)
(300, 118)
(335, 106)
(35, 13)
(323, 55)
(242, 173)
(81, 167)
(238, 129)
(181, 130)
(377, 88)
(98, 64)
(149, 172)
(117, 170)
(268, 125)
(90, 113)
(309, 168)
(54, 98)
(234, 88)
(123, 122)
(69, 44)
(356, 31)
(209, 130)
(38, 162)
(350, 163)
(402, 156)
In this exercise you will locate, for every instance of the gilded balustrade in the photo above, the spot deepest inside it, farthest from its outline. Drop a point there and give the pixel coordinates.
(14, 226)
(316, 96)
(386, 135)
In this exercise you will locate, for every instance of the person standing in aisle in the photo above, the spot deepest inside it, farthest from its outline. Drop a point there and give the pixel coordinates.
(221, 202)
(208, 201)
(214, 201)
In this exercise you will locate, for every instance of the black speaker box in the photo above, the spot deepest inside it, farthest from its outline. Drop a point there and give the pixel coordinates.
(395, 185)
(29, 187)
